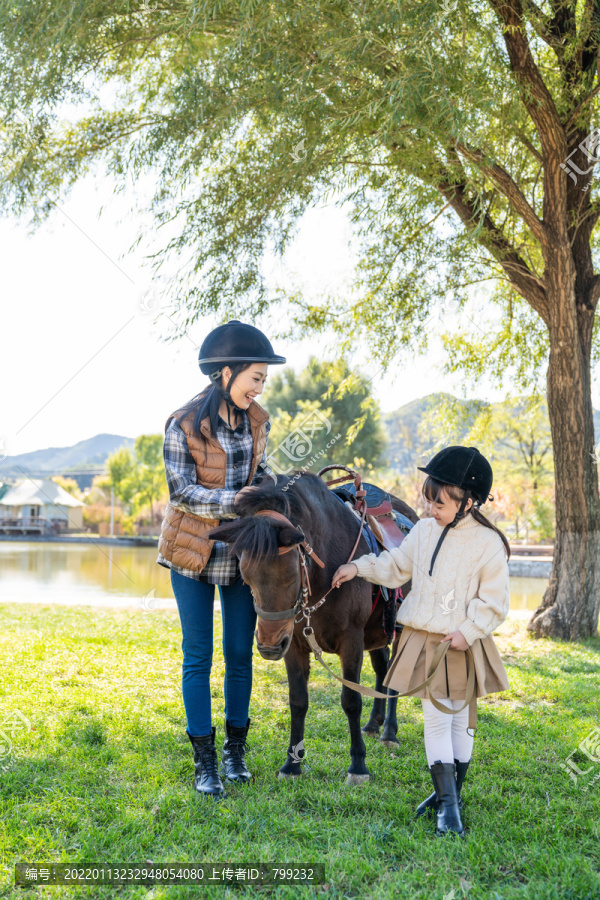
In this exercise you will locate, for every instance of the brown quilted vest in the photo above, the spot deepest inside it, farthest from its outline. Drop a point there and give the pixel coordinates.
(182, 538)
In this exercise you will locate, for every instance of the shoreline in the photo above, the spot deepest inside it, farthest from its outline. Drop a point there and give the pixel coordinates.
(520, 565)
(139, 541)
(166, 604)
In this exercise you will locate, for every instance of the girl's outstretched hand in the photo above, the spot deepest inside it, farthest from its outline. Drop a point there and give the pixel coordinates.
(344, 573)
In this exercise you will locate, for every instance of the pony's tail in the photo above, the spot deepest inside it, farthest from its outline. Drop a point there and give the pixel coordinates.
(479, 517)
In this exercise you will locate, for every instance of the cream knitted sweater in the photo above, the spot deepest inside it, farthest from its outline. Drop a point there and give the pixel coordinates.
(469, 588)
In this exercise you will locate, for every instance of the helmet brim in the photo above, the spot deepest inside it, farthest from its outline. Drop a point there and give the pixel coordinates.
(272, 360)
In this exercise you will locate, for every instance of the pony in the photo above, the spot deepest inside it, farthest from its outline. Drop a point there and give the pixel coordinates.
(270, 553)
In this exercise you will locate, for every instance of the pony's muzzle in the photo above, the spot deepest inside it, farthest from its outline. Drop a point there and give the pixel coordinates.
(274, 651)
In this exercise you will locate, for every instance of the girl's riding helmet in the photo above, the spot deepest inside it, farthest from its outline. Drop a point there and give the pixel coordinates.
(464, 467)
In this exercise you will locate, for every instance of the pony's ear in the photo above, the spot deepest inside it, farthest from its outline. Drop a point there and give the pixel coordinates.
(289, 535)
(226, 532)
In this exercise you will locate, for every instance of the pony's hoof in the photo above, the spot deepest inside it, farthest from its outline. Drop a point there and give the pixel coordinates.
(357, 779)
(389, 741)
(285, 775)
(371, 732)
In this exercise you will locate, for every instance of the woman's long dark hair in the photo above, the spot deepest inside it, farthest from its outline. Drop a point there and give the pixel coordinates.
(431, 492)
(208, 401)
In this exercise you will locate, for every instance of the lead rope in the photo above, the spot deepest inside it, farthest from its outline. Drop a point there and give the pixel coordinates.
(438, 657)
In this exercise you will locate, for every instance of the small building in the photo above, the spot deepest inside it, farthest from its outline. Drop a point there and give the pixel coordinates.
(39, 505)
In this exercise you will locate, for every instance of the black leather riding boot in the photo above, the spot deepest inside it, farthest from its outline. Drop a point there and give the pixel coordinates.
(443, 776)
(461, 771)
(206, 779)
(233, 766)
(431, 802)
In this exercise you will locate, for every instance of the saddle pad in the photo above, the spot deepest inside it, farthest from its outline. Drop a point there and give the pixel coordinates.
(375, 495)
(369, 536)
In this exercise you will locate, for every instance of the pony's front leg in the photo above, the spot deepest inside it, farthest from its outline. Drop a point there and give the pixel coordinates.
(351, 659)
(297, 664)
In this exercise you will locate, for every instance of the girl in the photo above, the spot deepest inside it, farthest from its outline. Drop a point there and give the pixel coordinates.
(214, 449)
(457, 561)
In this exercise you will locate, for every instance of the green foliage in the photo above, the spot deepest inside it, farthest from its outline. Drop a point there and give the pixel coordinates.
(324, 400)
(516, 432)
(138, 477)
(121, 466)
(146, 481)
(247, 115)
(543, 520)
(516, 435)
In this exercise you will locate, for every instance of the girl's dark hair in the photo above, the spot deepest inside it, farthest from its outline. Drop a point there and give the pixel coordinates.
(208, 401)
(432, 489)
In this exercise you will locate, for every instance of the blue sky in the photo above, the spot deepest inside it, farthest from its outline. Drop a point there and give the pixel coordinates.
(82, 356)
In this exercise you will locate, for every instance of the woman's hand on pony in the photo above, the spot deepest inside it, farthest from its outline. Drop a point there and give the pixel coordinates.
(458, 639)
(247, 491)
(344, 573)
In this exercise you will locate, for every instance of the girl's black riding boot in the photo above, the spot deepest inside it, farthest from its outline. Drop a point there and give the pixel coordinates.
(233, 765)
(206, 780)
(461, 771)
(443, 776)
(431, 802)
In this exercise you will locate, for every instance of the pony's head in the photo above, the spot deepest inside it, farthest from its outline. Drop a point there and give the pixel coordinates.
(269, 562)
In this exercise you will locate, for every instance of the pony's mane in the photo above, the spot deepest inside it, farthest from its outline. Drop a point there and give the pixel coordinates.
(292, 496)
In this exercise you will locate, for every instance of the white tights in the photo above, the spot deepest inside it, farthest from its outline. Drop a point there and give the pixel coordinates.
(446, 737)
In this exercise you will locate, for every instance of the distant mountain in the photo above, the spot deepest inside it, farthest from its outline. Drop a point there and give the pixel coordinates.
(406, 446)
(89, 454)
(405, 449)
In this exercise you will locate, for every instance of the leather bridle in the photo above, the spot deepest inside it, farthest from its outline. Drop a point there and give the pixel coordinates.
(305, 549)
(304, 592)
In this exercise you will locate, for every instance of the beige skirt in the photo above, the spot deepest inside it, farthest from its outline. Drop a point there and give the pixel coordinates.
(415, 653)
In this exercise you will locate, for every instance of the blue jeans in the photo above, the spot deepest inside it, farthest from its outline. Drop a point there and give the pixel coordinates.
(195, 602)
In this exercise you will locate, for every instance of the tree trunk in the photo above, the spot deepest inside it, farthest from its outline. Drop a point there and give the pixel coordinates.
(571, 603)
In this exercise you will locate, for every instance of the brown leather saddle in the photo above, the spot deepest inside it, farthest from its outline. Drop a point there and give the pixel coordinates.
(388, 526)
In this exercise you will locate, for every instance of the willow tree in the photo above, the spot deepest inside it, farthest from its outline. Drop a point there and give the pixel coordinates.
(461, 137)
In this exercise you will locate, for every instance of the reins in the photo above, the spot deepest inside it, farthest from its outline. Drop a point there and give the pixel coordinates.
(300, 611)
(304, 592)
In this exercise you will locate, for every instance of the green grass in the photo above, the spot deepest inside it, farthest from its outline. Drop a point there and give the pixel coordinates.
(105, 773)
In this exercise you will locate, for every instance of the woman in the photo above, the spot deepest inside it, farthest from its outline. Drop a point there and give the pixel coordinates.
(214, 449)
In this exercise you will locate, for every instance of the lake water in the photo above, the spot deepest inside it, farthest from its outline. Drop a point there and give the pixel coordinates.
(93, 574)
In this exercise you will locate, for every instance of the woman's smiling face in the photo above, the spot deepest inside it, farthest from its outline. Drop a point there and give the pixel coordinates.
(248, 385)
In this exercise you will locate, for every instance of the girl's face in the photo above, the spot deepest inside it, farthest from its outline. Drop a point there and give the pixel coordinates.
(445, 508)
(248, 384)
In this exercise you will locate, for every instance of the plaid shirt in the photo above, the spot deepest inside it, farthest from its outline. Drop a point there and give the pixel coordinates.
(185, 493)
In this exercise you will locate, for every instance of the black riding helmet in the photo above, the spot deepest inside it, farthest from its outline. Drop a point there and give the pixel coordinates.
(464, 467)
(234, 344)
